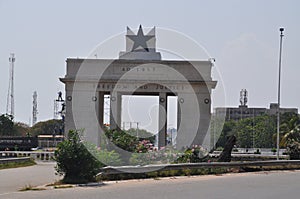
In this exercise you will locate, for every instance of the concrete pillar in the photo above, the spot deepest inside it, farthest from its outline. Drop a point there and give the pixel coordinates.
(178, 112)
(101, 116)
(203, 134)
(115, 110)
(101, 109)
(187, 120)
(162, 122)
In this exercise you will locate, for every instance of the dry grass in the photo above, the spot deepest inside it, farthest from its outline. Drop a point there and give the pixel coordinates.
(31, 188)
(63, 186)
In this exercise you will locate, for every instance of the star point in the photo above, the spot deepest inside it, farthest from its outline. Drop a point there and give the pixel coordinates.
(140, 40)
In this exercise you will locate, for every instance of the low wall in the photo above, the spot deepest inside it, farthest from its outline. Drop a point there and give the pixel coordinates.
(167, 167)
(16, 160)
(36, 155)
(251, 156)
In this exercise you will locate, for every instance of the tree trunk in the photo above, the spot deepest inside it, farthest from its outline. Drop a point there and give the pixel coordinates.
(225, 156)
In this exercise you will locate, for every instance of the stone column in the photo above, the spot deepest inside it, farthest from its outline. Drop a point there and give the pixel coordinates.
(178, 121)
(162, 123)
(187, 120)
(101, 109)
(101, 116)
(179, 101)
(115, 110)
(203, 133)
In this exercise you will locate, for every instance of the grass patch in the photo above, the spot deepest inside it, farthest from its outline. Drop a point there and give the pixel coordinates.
(63, 186)
(56, 183)
(270, 168)
(31, 188)
(17, 164)
(59, 185)
(170, 173)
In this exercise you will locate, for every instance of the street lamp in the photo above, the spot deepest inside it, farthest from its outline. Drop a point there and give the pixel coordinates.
(279, 78)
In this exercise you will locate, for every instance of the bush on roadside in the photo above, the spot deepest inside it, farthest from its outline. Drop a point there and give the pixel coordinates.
(293, 149)
(122, 139)
(109, 158)
(74, 161)
(193, 155)
(152, 155)
(219, 148)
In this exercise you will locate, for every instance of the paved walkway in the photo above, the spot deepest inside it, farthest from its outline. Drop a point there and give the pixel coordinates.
(12, 180)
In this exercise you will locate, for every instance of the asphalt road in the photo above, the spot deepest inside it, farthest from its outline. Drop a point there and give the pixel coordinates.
(12, 180)
(263, 185)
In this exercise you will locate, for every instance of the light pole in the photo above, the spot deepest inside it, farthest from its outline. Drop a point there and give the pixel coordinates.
(279, 79)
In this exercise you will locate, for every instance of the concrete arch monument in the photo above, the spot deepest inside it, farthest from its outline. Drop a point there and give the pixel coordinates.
(139, 70)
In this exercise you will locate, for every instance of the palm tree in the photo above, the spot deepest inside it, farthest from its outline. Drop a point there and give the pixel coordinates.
(289, 129)
(291, 136)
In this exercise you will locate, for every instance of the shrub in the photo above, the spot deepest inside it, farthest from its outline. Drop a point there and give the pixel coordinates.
(74, 161)
(193, 155)
(144, 146)
(106, 157)
(109, 158)
(293, 149)
(122, 139)
(219, 148)
(162, 156)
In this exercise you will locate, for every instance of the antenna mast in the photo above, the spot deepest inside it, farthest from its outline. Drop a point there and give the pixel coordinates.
(243, 97)
(34, 108)
(55, 109)
(10, 105)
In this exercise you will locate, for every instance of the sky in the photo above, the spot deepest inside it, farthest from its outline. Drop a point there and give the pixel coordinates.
(243, 37)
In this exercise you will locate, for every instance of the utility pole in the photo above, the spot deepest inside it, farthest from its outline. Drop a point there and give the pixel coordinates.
(279, 79)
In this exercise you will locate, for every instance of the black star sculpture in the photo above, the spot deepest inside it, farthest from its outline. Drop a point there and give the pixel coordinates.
(140, 40)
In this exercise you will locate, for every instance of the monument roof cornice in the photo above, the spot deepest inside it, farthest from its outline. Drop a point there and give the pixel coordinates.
(88, 60)
(89, 80)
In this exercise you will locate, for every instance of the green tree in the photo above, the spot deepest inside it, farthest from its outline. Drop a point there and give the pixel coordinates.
(290, 134)
(250, 132)
(292, 142)
(290, 122)
(128, 140)
(122, 139)
(49, 127)
(74, 160)
(228, 130)
(7, 126)
(260, 131)
(264, 128)
(141, 134)
(22, 129)
(244, 133)
(256, 132)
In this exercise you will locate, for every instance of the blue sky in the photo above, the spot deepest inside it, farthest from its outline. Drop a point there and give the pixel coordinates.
(243, 36)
